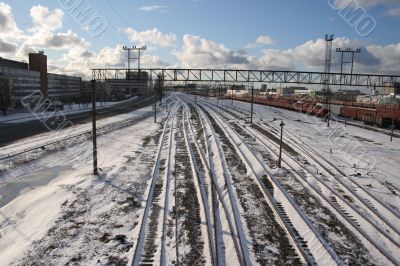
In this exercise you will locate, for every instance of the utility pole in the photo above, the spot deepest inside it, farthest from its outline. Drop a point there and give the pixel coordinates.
(391, 135)
(155, 100)
(166, 102)
(94, 133)
(252, 104)
(232, 95)
(281, 144)
(328, 61)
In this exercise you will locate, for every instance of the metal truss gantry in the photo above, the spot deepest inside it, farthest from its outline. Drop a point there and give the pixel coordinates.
(265, 76)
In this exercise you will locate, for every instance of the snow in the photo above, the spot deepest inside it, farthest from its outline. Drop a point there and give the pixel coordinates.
(21, 117)
(354, 149)
(64, 177)
(56, 194)
(360, 148)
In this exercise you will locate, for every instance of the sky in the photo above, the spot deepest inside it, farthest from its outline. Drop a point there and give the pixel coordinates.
(78, 35)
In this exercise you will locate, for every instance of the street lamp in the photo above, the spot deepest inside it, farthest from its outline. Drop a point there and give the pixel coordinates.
(280, 148)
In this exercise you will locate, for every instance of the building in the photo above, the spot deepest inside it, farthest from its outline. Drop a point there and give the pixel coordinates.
(64, 88)
(290, 90)
(264, 88)
(13, 64)
(20, 83)
(304, 92)
(135, 84)
(368, 99)
(38, 62)
(395, 90)
(346, 95)
(25, 79)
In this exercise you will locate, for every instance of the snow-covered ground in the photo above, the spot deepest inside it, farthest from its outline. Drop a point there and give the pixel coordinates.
(370, 152)
(55, 196)
(20, 117)
(54, 211)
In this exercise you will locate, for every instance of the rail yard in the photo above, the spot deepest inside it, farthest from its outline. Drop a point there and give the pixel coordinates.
(209, 191)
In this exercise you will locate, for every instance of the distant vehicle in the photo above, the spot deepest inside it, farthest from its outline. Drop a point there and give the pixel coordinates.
(55, 106)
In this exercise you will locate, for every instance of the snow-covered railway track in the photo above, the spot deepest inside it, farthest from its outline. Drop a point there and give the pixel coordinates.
(375, 206)
(203, 189)
(188, 212)
(351, 214)
(147, 252)
(377, 211)
(176, 221)
(280, 219)
(205, 156)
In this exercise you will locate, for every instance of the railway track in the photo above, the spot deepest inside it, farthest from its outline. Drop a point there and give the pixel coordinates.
(205, 155)
(341, 205)
(146, 251)
(177, 204)
(279, 209)
(366, 197)
(337, 202)
(203, 189)
(372, 203)
(283, 220)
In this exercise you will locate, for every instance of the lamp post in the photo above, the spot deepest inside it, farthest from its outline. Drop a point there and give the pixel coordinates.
(281, 144)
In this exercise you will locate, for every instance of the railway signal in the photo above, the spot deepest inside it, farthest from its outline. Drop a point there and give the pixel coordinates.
(280, 148)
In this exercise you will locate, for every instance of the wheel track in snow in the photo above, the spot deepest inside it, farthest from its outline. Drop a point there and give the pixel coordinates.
(333, 202)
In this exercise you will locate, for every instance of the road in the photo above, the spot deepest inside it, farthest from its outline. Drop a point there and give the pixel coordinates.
(10, 132)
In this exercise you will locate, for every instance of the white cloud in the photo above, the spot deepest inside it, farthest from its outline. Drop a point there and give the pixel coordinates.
(262, 40)
(394, 12)
(9, 29)
(362, 3)
(7, 48)
(309, 56)
(49, 40)
(23, 51)
(199, 52)
(46, 20)
(265, 40)
(151, 36)
(153, 8)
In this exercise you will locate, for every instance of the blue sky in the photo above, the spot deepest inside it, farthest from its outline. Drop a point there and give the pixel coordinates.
(203, 33)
